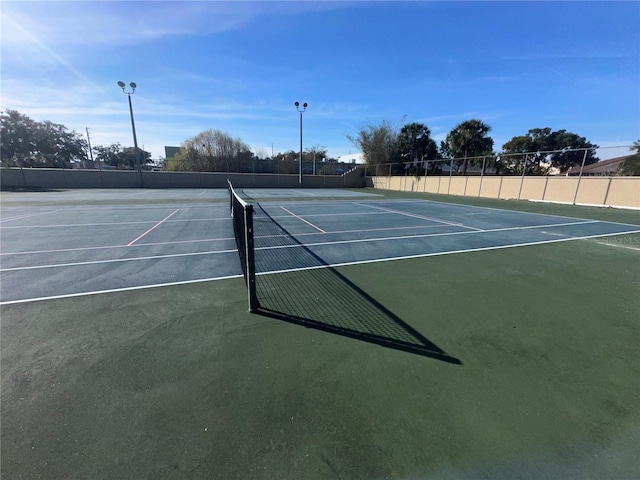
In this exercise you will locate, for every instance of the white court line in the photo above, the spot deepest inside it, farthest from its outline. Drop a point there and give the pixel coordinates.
(27, 216)
(300, 218)
(115, 260)
(71, 225)
(332, 214)
(360, 230)
(626, 247)
(361, 262)
(221, 203)
(116, 290)
(477, 207)
(108, 247)
(206, 240)
(154, 227)
(426, 235)
(105, 224)
(304, 193)
(399, 212)
(223, 239)
(337, 242)
(435, 254)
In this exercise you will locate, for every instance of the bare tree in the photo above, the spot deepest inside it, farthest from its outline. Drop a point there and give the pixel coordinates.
(211, 151)
(376, 142)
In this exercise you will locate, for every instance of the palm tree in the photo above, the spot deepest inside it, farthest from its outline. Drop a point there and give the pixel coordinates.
(415, 139)
(470, 139)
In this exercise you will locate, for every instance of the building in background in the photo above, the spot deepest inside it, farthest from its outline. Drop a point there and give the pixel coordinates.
(603, 168)
(170, 152)
(353, 158)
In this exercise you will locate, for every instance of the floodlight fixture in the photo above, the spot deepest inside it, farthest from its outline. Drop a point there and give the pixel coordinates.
(131, 84)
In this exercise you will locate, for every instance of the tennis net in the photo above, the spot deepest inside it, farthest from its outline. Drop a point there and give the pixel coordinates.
(242, 214)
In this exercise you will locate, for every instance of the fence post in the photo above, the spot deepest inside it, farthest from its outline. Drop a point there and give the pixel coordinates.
(524, 170)
(606, 195)
(424, 187)
(484, 159)
(406, 172)
(584, 158)
(544, 192)
(24, 177)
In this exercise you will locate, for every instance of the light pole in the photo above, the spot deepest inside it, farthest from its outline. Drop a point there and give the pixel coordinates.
(133, 126)
(304, 107)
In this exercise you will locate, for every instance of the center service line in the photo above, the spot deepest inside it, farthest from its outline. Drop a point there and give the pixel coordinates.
(300, 218)
(155, 226)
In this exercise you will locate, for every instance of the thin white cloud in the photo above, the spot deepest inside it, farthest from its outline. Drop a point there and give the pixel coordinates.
(20, 42)
(118, 23)
(572, 56)
(129, 22)
(558, 73)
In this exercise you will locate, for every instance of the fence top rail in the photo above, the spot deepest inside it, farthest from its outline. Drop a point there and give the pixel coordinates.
(498, 155)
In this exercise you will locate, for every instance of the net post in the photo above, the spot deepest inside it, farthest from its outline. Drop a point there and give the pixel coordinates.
(242, 214)
(250, 259)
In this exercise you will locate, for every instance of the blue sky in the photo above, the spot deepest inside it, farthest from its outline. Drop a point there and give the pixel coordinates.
(240, 66)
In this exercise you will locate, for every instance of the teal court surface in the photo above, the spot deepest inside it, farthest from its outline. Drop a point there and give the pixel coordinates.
(69, 250)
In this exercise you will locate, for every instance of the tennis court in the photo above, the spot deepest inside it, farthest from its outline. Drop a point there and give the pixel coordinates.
(444, 340)
(56, 251)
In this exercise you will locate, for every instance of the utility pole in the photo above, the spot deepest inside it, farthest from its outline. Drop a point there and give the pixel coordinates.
(90, 151)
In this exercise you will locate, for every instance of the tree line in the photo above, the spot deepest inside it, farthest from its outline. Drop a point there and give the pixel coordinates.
(28, 143)
(25, 142)
(217, 151)
(469, 144)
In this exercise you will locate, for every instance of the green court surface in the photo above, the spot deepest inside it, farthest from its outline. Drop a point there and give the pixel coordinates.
(538, 374)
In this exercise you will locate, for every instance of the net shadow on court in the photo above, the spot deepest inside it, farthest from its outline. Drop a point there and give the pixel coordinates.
(306, 291)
